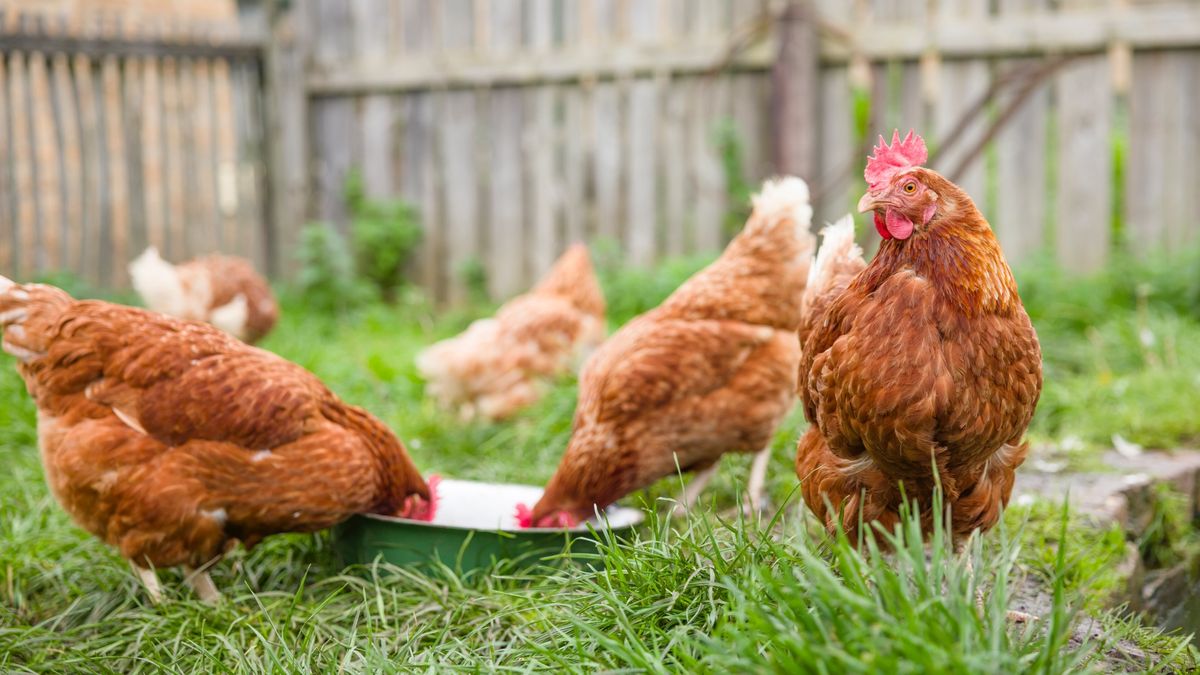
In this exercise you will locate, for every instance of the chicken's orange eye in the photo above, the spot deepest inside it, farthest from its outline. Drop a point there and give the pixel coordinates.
(910, 188)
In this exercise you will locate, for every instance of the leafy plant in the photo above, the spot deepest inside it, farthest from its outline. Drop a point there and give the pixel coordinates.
(327, 278)
(737, 190)
(631, 290)
(385, 233)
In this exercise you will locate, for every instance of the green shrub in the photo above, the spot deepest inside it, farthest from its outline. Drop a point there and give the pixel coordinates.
(385, 233)
(327, 277)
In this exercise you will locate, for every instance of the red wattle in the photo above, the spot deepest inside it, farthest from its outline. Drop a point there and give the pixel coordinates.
(880, 227)
(898, 225)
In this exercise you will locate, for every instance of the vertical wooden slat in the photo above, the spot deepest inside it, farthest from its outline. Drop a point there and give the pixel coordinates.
(205, 159)
(459, 125)
(1159, 180)
(92, 161)
(673, 158)
(1019, 214)
(8, 221)
(542, 139)
(172, 110)
(258, 175)
(250, 176)
(291, 38)
(49, 190)
(604, 125)
(225, 123)
(507, 242)
(421, 182)
(1083, 214)
(418, 168)
(154, 203)
(960, 85)
(195, 237)
(134, 143)
(114, 251)
(72, 166)
(378, 143)
(839, 169)
(1183, 230)
(22, 159)
(674, 207)
(573, 157)
(606, 158)
(709, 106)
(751, 103)
(641, 215)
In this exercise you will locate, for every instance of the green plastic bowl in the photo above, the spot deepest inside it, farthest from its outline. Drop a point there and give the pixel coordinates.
(475, 527)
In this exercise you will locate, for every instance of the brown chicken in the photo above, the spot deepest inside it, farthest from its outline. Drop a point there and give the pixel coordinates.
(171, 441)
(499, 365)
(710, 371)
(222, 290)
(920, 368)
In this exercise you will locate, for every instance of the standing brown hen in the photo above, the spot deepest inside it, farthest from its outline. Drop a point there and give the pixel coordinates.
(171, 441)
(920, 368)
(710, 371)
(499, 365)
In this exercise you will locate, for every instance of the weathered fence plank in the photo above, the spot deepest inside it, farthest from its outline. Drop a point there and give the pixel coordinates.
(8, 220)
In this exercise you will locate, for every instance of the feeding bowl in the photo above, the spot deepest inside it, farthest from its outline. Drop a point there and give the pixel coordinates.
(475, 525)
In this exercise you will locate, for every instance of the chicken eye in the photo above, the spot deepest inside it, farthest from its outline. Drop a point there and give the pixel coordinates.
(910, 188)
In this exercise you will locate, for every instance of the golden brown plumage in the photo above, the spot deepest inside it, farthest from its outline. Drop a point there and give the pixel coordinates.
(222, 290)
(710, 371)
(924, 358)
(170, 440)
(498, 365)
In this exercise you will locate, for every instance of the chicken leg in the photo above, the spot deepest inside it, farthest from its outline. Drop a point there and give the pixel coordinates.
(758, 480)
(203, 585)
(149, 579)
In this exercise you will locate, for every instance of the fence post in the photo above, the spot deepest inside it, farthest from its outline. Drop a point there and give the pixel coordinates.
(794, 97)
(286, 137)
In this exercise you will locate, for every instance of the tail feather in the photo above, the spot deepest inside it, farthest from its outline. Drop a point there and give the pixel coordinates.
(785, 197)
(157, 282)
(838, 261)
(26, 313)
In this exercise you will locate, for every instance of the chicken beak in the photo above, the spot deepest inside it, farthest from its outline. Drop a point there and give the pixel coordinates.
(869, 202)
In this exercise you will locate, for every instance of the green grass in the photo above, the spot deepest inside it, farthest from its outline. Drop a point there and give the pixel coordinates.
(1121, 350)
(707, 594)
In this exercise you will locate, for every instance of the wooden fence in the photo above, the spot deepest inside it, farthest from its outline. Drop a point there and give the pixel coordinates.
(113, 137)
(518, 126)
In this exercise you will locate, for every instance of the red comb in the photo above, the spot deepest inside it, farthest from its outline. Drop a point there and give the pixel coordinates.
(889, 160)
(524, 516)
